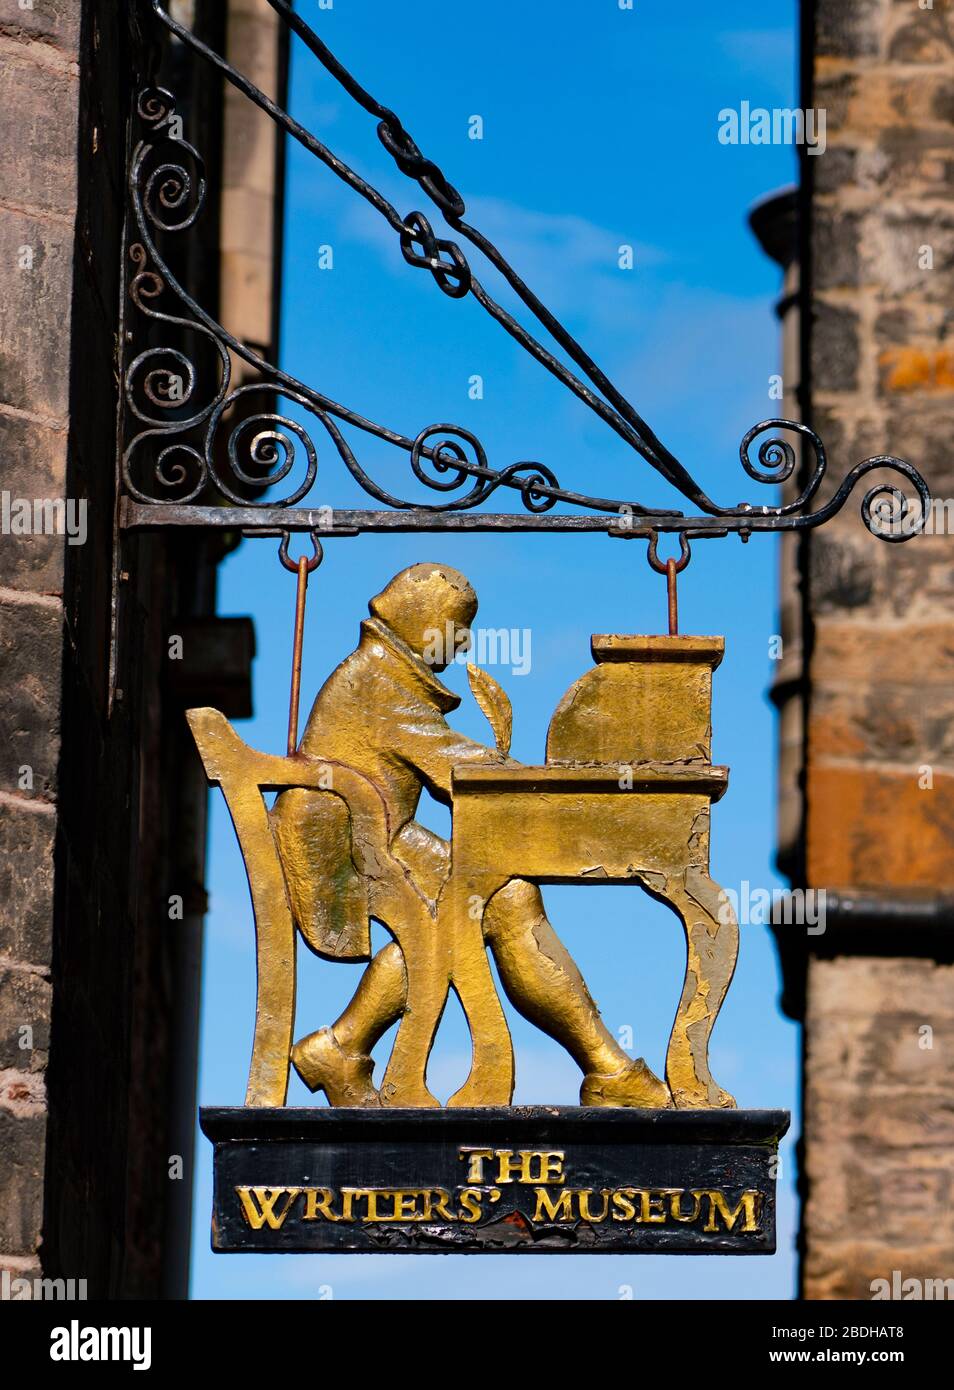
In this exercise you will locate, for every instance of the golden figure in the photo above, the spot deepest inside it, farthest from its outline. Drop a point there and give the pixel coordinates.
(383, 712)
(624, 796)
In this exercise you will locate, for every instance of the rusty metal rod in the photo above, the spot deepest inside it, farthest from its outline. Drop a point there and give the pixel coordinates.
(671, 572)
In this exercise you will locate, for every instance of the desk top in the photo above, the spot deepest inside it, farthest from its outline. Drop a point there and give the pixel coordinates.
(601, 778)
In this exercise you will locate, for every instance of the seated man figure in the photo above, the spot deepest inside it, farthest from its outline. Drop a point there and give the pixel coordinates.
(382, 712)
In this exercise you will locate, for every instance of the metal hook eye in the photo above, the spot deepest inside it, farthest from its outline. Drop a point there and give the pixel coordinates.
(291, 564)
(685, 554)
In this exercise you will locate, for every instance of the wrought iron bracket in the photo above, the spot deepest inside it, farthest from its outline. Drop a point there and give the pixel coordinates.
(197, 452)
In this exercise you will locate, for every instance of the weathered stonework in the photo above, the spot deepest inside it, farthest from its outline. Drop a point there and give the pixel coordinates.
(39, 104)
(879, 761)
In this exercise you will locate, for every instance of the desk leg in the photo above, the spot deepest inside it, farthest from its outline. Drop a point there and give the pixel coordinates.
(713, 947)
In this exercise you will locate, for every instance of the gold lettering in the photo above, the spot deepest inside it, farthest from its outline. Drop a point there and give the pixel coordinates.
(318, 1200)
(584, 1196)
(470, 1199)
(436, 1200)
(528, 1165)
(475, 1168)
(506, 1165)
(651, 1208)
(748, 1204)
(621, 1200)
(675, 1205)
(550, 1165)
(405, 1205)
(559, 1210)
(266, 1197)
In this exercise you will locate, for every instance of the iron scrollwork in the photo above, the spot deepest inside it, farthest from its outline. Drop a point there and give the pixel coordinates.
(186, 447)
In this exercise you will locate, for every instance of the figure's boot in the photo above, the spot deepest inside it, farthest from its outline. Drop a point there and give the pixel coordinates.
(345, 1077)
(634, 1085)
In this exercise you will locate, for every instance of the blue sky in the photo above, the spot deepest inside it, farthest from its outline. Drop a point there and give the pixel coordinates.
(600, 129)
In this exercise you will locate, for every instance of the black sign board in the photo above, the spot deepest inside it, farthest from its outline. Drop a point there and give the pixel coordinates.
(535, 1179)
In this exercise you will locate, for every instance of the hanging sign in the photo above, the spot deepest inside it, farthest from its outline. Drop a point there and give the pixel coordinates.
(646, 1162)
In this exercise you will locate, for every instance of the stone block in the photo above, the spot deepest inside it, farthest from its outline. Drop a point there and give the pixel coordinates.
(54, 23)
(34, 314)
(22, 1149)
(26, 885)
(38, 116)
(31, 656)
(24, 1005)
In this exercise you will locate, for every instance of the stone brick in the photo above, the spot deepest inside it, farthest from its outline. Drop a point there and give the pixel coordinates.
(32, 465)
(24, 1003)
(38, 113)
(34, 331)
(897, 1203)
(50, 22)
(835, 352)
(837, 166)
(867, 1017)
(916, 157)
(26, 885)
(872, 725)
(894, 247)
(871, 828)
(848, 1270)
(835, 91)
(851, 569)
(886, 97)
(850, 433)
(861, 654)
(25, 1267)
(847, 28)
(879, 1115)
(905, 161)
(22, 1147)
(917, 369)
(900, 322)
(917, 429)
(31, 642)
(836, 247)
(841, 574)
(919, 36)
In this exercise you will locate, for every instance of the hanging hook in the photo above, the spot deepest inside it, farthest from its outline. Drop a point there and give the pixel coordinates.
(293, 565)
(302, 567)
(670, 569)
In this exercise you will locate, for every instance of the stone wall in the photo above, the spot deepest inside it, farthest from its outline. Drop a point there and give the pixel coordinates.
(879, 778)
(39, 116)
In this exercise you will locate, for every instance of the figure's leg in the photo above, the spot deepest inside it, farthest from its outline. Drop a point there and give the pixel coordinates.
(337, 1060)
(377, 1002)
(543, 982)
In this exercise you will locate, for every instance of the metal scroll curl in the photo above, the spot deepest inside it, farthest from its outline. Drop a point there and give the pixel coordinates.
(885, 508)
(168, 187)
